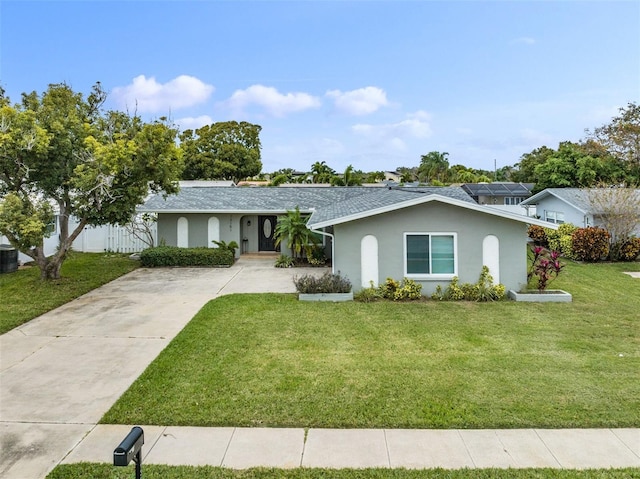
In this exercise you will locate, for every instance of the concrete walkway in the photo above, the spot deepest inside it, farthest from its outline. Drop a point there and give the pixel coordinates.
(241, 448)
(62, 371)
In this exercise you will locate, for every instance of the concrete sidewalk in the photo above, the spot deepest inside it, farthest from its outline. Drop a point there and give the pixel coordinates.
(241, 448)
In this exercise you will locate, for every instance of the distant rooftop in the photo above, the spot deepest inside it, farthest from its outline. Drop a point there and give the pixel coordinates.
(498, 189)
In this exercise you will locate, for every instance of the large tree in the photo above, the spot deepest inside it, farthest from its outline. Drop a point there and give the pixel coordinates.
(621, 138)
(434, 166)
(222, 151)
(61, 153)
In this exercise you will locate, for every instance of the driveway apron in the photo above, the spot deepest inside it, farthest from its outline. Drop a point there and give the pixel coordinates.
(60, 372)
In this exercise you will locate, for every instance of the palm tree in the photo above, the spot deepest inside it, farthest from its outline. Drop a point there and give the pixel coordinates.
(321, 172)
(292, 227)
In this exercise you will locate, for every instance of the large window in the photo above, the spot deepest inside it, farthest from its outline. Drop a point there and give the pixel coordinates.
(430, 255)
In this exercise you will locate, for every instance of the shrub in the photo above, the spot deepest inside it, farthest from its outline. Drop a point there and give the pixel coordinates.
(627, 250)
(561, 239)
(231, 246)
(538, 235)
(545, 265)
(590, 244)
(368, 295)
(388, 288)
(453, 292)
(327, 283)
(284, 261)
(174, 256)
(397, 291)
(316, 256)
(483, 290)
(409, 289)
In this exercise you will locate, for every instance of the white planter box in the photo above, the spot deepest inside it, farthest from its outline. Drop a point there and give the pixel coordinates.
(332, 297)
(546, 296)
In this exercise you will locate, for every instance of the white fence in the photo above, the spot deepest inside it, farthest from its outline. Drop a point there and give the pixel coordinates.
(97, 240)
(110, 238)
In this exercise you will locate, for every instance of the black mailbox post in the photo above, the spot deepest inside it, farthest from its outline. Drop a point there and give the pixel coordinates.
(130, 449)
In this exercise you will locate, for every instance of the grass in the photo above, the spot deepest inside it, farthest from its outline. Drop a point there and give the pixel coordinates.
(25, 296)
(105, 471)
(270, 360)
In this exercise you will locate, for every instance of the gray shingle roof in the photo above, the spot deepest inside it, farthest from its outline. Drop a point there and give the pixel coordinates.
(259, 199)
(325, 202)
(382, 198)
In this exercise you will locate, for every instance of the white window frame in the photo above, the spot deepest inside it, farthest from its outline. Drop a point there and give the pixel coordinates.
(553, 217)
(513, 200)
(432, 276)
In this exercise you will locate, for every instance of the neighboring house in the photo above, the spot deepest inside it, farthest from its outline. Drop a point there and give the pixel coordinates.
(568, 205)
(428, 234)
(498, 193)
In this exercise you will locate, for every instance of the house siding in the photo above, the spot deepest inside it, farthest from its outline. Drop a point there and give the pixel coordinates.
(471, 228)
(198, 227)
(571, 214)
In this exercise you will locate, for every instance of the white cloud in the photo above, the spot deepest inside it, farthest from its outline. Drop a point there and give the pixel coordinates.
(191, 123)
(415, 126)
(147, 95)
(359, 102)
(274, 103)
(524, 41)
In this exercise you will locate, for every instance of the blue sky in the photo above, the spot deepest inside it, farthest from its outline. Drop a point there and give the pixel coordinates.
(375, 84)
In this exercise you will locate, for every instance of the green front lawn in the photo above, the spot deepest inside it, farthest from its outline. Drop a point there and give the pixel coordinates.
(270, 360)
(24, 296)
(106, 471)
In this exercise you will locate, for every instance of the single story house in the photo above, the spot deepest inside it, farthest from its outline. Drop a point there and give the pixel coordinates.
(581, 207)
(429, 234)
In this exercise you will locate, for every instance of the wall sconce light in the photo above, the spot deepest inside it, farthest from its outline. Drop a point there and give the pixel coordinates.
(249, 223)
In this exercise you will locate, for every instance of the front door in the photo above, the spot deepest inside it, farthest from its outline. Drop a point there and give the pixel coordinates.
(266, 233)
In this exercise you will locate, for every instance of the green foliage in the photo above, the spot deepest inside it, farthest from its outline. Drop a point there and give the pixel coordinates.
(25, 221)
(292, 228)
(368, 295)
(400, 290)
(96, 166)
(434, 167)
(349, 178)
(591, 244)
(482, 291)
(173, 256)
(575, 165)
(284, 261)
(621, 138)
(222, 151)
(538, 235)
(327, 283)
(561, 239)
(626, 250)
(316, 255)
(231, 246)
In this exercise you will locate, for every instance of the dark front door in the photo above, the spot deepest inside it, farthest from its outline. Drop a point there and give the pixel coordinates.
(266, 230)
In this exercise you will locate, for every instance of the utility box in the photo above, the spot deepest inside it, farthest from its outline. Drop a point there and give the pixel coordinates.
(8, 258)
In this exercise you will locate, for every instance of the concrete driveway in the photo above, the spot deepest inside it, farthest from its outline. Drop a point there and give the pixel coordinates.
(62, 371)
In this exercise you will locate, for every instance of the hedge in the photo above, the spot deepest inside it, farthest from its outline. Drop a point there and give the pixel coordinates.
(174, 256)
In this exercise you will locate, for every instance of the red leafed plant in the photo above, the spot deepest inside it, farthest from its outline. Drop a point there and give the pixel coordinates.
(546, 266)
